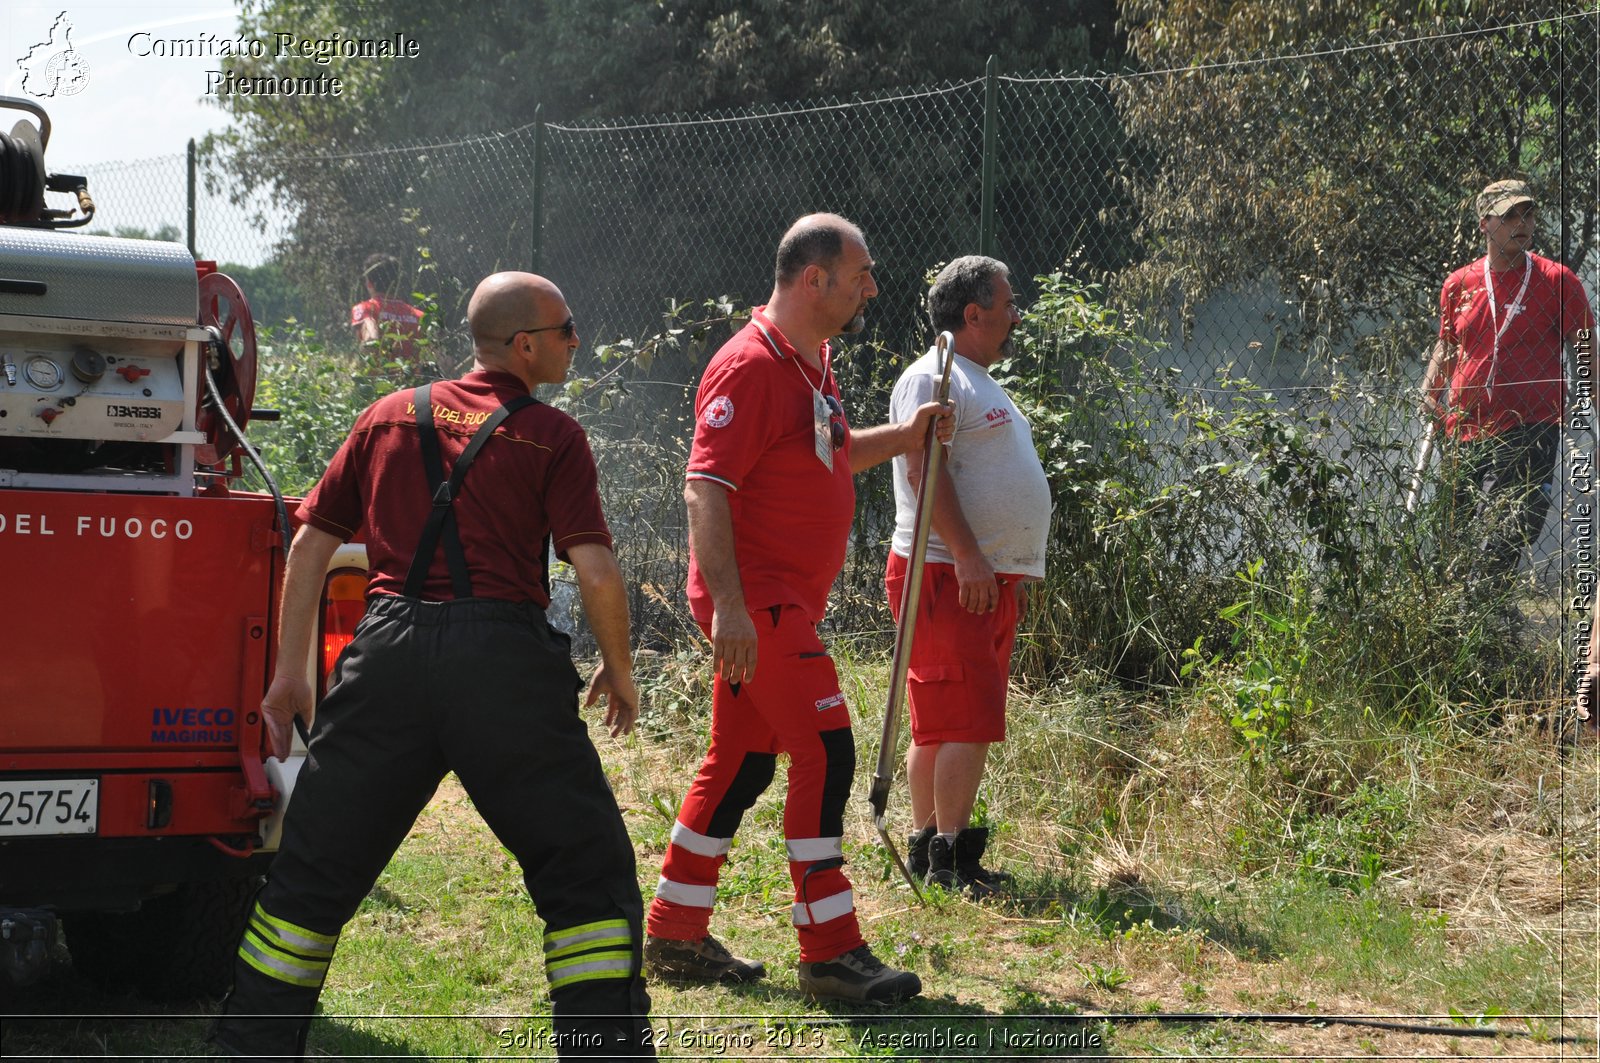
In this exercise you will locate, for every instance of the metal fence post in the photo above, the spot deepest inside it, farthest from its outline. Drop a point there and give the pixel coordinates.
(991, 104)
(537, 249)
(192, 168)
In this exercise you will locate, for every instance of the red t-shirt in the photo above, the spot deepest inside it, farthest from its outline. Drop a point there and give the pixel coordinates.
(1528, 376)
(536, 476)
(753, 435)
(398, 321)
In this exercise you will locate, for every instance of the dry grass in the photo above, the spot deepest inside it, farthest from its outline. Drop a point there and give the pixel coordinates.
(1101, 813)
(1157, 874)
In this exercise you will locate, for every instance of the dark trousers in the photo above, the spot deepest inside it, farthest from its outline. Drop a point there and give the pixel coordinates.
(1505, 488)
(486, 689)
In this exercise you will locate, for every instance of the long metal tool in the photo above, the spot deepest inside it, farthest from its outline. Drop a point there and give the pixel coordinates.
(888, 749)
(1424, 454)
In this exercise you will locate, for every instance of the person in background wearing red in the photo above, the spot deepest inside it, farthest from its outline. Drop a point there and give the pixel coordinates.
(1497, 381)
(385, 324)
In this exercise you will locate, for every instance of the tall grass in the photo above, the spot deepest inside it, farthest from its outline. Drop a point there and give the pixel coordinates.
(1405, 870)
(1271, 744)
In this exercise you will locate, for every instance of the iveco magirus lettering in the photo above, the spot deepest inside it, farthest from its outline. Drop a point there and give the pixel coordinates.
(136, 805)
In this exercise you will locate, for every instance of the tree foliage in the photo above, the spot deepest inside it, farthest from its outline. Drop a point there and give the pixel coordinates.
(486, 65)
(1347, 174)
(485, 69)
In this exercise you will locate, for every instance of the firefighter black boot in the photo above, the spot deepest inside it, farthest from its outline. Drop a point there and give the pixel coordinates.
(240, 1034)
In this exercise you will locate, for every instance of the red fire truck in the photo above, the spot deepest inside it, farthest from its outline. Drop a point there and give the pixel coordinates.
(137, 809)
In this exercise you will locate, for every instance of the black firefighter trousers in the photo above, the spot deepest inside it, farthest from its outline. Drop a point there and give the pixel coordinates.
(486, 689)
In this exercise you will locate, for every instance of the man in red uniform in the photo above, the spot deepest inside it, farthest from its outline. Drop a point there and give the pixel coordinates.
(770, 497)
(382, 321)
(454, 667)
(1497, 379)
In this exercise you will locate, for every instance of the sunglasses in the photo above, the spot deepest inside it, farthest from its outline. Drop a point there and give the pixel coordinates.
(567, 327)
(835, 420)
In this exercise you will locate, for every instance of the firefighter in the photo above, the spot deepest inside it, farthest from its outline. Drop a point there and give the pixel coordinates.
(454, 667)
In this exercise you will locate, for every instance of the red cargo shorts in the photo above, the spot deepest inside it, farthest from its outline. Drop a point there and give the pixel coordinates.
(960, 661)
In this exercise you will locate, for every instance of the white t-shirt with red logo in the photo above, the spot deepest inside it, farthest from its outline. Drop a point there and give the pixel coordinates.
(999, 480)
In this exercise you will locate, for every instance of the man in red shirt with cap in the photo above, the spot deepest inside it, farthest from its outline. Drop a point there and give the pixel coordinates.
(1497, 379)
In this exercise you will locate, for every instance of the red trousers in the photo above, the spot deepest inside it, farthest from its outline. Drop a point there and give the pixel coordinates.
(793, 706)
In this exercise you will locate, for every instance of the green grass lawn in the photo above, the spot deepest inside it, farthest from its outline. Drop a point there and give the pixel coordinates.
(1447, 874)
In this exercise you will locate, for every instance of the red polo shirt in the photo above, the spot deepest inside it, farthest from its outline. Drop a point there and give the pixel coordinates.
(398, 324)
(1525, 367)
(536, 476)
(753, 435)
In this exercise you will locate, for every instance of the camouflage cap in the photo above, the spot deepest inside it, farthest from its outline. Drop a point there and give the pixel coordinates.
(1502, 196)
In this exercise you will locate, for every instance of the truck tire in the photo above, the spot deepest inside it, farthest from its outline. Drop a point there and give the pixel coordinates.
(178, 946)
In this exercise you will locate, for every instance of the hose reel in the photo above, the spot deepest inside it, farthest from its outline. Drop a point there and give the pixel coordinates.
(23, 181)
(225, 313)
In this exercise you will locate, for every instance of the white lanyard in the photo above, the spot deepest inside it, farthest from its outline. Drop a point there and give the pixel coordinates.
(821, 420)
(779, 352)
(1512, 311)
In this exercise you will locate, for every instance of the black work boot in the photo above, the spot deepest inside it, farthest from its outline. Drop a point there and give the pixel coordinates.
(969, 848)
(955, 866)
(941, 864)
(273, 1039)
(263, 1018)
(917, 853)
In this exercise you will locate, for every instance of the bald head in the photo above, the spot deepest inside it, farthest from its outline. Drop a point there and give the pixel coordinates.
(503, 303)
(814, 240)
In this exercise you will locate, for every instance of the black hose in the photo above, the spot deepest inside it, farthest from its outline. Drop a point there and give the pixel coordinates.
(213, 398)
(1331, 1020)
(1202, 1018)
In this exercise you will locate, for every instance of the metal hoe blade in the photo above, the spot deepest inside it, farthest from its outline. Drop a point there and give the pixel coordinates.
(883, 776)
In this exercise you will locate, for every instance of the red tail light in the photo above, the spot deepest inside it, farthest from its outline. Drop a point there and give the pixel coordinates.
(344, 600)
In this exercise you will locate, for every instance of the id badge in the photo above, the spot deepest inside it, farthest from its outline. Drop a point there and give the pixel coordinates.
(821, 429)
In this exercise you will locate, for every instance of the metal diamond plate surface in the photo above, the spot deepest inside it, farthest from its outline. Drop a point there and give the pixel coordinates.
(97, 278)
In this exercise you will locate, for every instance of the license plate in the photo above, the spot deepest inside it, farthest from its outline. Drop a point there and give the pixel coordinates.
(49, 806)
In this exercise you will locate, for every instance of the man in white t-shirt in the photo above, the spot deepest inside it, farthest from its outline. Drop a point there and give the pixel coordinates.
(991, 518)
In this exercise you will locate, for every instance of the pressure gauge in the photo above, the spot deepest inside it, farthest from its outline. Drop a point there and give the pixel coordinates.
(43, 373)
(88, 365)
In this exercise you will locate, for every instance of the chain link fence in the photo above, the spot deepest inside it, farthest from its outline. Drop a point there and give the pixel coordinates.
(146, 198)
(1272, 226)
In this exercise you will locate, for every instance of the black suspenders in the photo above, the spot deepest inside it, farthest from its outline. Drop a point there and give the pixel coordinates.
(441, 521)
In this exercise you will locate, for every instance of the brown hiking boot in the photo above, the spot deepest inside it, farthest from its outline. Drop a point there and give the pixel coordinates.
(706, 960)
(859, 976)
